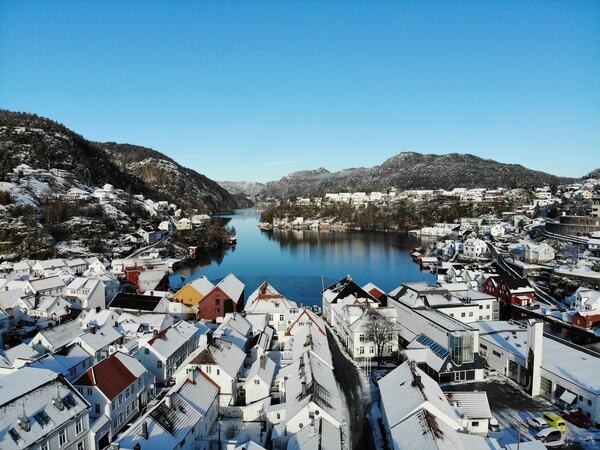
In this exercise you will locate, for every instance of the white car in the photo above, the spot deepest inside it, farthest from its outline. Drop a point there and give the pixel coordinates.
(494, 426)
(551, 437)
(537, 423)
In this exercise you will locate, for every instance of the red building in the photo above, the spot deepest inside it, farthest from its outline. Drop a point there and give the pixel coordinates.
(509, 290)
(226, 297)
(587, 319)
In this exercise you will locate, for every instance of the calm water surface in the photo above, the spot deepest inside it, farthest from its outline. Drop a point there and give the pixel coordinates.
(297, 263)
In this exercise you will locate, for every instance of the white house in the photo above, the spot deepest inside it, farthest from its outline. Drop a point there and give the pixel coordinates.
(221, 361)
(85, 293)
(163, 352)
(586, 299)
(474, 248)
(184, 224)
(259, 379)
(267, 300)
(57, 337)
(100, 342)
(182, 420)
(117, 388)
(41, 410)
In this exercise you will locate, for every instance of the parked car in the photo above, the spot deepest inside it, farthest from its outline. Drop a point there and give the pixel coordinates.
(534, 306)
(537, 423)
(494, 426)
(577, 418)
(551, 437)
(554, 420)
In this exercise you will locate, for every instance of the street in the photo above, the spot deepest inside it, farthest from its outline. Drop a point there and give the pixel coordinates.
(346, 373)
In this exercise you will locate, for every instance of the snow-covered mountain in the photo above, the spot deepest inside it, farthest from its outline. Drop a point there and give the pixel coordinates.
(52, 194)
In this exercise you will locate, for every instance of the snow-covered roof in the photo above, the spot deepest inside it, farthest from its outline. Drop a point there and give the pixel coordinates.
(202, 285)
(405, 390)
(60, 335)
(310, 339)
(263, 368)
(169, 340)
(474, 404)
(320, 435)
(42, 284)
(100, 338)
(222, 353)
(231, 286)
(168, 424)
(39, 398)
(267, 299)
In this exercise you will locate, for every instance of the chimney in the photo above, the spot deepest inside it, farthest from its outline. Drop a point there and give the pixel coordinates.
(262, 361)
(303, 389)
(413, 365)
(155, 332)
(209, 337)
(168, 402)
(93, 329)
(145, 430)
(98, 309)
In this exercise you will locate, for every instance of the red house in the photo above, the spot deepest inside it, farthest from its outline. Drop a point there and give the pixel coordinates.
(587, 319)
(226, 297)
(509, 290)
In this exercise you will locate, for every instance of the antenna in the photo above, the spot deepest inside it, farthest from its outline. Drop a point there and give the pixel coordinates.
(322, 285)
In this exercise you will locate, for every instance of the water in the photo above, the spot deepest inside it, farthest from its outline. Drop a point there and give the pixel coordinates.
(298, 263)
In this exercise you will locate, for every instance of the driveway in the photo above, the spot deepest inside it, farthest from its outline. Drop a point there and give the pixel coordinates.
(346, 374)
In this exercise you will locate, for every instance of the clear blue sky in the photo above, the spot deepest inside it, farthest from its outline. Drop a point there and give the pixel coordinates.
(256, 89)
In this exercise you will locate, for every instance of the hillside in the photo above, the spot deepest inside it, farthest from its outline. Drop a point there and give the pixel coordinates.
(42, 144)
(61, 194)
(412, 171)
(250, 189)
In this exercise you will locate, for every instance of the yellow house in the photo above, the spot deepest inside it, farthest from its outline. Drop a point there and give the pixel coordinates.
(193, 292)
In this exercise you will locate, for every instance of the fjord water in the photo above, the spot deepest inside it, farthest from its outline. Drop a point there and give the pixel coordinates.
(299, 263)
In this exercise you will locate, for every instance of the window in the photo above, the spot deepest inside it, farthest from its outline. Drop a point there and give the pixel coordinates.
(483, 346)
(480, 306)
(281, 317)
(81, 445)
(89, 391)
(127, 393)
(62, 437)
(470, 313)
(146, 351)
(78, 426)
(208, 369)
(120, 399)
(475, 424)
(487, 306)
(45, 446)
(462, 314)
(217, 301)
(218, 371)
(112, 406)
(361, 350)
(256, 381)
(159, 364)
(496, 353)
(97, 408)
(589, 402)
(361, 337)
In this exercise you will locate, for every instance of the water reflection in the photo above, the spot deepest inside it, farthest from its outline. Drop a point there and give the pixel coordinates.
(298, 263)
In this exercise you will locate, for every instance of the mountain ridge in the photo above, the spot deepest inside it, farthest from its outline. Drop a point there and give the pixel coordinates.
(412, 170)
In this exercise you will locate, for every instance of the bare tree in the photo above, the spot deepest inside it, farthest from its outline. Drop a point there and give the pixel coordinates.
(380, 330)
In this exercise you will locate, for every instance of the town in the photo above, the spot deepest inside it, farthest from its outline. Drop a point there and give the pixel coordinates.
(498, 352)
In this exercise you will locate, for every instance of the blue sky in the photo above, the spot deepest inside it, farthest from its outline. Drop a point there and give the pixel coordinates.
(257, 89)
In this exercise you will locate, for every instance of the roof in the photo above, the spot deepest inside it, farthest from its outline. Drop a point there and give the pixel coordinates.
(263, 368)
(344, 288)
(267, 299)
(320, 435)
(169, 340)
(220, 352)
(135, 302)
(42, 284)
(101, 337)
(167, 425)
(202, 285)
(60, 335)
(473, 404)
(231, 286)
(405, 390)
(62, 361)
(33, 393)
(237, 322)
(113, 374)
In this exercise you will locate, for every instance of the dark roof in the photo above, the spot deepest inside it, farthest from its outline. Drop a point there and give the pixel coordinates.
(110, 376)
(346, 287)
(134, 301)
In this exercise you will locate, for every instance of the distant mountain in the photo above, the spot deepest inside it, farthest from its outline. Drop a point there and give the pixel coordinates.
(42, 144)
(593, 174)
(412, 171)
(250, 189)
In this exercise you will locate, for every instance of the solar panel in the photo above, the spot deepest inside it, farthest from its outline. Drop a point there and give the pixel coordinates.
(42, 418)
(436, 348)
(69, 401)
(14, 435)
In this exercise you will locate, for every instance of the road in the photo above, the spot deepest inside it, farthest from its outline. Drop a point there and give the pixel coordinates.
(346, 373)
